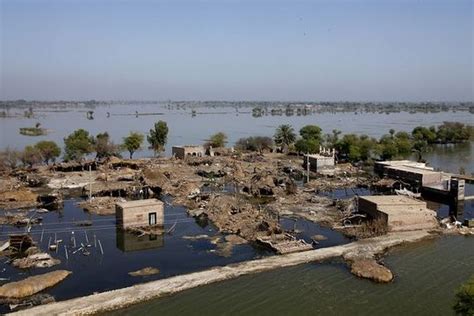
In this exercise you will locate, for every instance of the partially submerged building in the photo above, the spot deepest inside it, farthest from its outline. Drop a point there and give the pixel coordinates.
(411, 172)
(182, 152)
(322, 162)
(139, 213)
(399, 213)
(434, 185)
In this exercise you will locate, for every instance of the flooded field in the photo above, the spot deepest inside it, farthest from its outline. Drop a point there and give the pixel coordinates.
(189, 248)
(109, 254)
(184, 128)
(427, 276)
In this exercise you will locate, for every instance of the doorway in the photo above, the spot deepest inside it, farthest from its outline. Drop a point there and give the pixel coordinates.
(152, 218)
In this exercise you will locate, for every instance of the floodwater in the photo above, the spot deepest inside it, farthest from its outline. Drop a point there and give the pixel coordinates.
(124, 252)
(184, 128)
(427, 275)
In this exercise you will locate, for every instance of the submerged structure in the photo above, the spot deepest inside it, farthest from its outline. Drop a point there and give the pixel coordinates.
(139, 213)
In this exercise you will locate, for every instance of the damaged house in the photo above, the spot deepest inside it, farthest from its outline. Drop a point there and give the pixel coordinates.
(139, 213)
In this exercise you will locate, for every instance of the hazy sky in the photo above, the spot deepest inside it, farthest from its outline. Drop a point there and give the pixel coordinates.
(237, 50)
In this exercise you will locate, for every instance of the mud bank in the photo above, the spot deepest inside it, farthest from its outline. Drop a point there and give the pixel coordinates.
(116, 299)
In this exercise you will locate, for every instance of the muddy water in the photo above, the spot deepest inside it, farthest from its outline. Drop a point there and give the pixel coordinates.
(426, 277)
(124, 252)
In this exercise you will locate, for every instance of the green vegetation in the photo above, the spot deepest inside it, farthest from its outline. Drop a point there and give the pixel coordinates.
(105, 147)
(31, 156)
(48, 150)
(465, 299)
(447, 133)
(217, 140)
(356, 148)
(78, 144)
(33, 131)
(158, 137)
(360, 148)
(133, 142)
(284, 136)
(310, 139)
(254, 143)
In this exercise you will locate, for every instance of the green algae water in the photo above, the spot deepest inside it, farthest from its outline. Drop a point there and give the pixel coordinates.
(427, 275)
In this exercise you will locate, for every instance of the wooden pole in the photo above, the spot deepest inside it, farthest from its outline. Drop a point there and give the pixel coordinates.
(101, 249)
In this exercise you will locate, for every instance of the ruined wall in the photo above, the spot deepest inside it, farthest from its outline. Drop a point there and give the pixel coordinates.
(182, 152)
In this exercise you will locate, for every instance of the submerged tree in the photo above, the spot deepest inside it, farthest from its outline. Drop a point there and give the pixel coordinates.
(158, 137)
(133, 142)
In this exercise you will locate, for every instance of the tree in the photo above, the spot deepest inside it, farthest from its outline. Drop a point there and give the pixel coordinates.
(420, 147)
(49, 150)
(425, 134)
(158, 136)
(104, 147)
(255, 143)
(304, 146)
(464, 304)
(356, 148)
(78, 144)
(332, 139)
(453, 132)
(388, 148)
(217, 140)
(31, 156)
(311, 132)
(284, 135)
(9, 159)
(133, 142)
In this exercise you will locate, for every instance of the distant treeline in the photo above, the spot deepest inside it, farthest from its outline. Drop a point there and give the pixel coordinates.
(260, 108)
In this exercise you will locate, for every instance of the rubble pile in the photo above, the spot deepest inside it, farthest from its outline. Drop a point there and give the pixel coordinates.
(233, 214)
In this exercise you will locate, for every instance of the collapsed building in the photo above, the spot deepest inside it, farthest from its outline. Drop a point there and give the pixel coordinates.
(182, 152)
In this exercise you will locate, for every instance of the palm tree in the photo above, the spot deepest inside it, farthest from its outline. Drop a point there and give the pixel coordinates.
(285, 135)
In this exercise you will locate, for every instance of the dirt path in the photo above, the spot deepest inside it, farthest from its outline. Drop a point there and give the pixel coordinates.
(116, 299)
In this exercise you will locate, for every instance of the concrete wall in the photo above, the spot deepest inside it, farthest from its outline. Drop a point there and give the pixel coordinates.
(420, 177)
(318, 163)
(400, 216)
(138, 216)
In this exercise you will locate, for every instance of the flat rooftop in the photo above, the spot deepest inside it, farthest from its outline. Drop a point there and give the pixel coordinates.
(189, 146)
(391, 200)
(406, 163)
(139, 203)
(318, 156)
(413, 169)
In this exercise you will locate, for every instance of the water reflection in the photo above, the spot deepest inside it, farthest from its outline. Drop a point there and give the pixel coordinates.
(127, 241)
